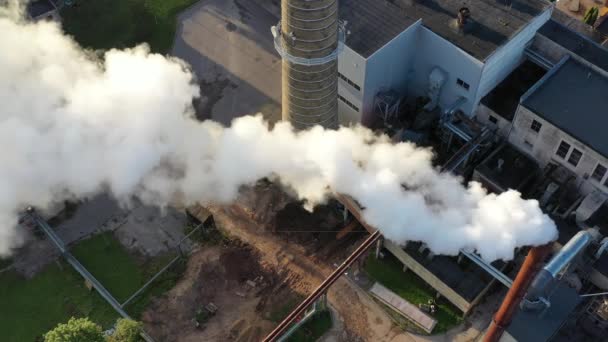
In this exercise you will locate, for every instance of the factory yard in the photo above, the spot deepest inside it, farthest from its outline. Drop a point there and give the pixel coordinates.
(230, 48)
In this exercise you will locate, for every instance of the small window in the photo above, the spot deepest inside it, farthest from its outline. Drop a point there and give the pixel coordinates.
(348, 103)
(535, 126)
(599, 172)
(528, 144)
(563, 149)
(463, 84)
(493, 119)
(351, 83)
(575, 157)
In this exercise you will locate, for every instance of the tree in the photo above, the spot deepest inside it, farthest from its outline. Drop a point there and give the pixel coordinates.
(75, 330)
(126, 330)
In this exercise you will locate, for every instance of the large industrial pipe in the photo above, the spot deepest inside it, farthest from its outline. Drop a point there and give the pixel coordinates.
(507, 309)
(309, 38)
(537, 294)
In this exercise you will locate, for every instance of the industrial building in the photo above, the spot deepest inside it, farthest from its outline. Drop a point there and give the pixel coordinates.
(452, 53)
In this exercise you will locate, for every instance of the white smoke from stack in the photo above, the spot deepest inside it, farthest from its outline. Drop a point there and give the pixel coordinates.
(72, 126)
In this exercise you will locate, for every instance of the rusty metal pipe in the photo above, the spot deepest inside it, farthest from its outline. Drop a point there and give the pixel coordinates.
(321, 289)
(510, 304)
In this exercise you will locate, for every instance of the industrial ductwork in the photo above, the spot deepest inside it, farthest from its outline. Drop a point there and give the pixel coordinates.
(537, 296)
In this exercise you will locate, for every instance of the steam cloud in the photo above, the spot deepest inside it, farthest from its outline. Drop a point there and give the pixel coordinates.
(73, 125)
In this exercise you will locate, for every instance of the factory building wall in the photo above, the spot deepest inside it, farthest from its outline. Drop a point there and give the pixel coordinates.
(352, 67)
(434, 51)
(492, 120)
(504, 60)
(391, 67)
(543, 145)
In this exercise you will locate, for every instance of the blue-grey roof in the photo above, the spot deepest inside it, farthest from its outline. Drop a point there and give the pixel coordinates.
(531, 326)
(576, 43)
(39, 7)
(574, 98)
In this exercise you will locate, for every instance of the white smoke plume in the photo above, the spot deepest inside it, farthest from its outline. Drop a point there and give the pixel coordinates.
(72, 125)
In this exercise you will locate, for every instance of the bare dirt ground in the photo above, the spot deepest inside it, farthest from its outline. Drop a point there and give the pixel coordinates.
(220, 275)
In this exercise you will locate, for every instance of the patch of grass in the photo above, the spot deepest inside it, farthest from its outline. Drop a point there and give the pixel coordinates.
(284, 307)
(310, 331)
(31, 307)
(105, 24)
(122, 274)
(388, 272)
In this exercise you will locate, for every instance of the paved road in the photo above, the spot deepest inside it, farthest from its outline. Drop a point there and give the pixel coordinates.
(229, 46)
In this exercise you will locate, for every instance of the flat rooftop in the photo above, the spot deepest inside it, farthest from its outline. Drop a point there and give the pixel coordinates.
(373, 23)
(504, 98)
(532, 326)
(516, 171)
(39, 7)
(573, 97)
(576, 42)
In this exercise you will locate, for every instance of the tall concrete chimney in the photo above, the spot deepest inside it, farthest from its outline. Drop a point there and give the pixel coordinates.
(309, 38)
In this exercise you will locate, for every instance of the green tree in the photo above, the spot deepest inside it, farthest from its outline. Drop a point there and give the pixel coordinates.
(75, 330)
(126, 330)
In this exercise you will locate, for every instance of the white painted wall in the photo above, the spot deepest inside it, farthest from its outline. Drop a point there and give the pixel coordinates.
(390, 67)
(501, 127)
(504, 60)
(434, 51)
(542, 147)
(351, 65)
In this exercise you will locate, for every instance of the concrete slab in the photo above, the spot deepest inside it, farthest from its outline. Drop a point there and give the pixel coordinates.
(406, 308)
(230, 48)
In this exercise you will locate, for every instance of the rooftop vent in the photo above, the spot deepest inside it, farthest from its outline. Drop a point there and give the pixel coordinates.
(463, 22)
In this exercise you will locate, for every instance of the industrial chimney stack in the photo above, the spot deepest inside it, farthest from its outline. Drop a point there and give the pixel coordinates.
(309, 38)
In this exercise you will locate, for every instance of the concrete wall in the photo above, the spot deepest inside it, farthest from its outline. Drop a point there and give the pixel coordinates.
(501, 127)
(351, 65)
(542, 147)
(555, 52)
(390, 67)
(434, 51)
(504, 60)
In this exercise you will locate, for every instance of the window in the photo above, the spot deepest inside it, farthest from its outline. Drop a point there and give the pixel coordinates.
(575, 157)
(351, 83)
(599, 172)
(529, 144)
(493, 119)
(563, 149)
(348, 103)
(535, 126)
(463, 84)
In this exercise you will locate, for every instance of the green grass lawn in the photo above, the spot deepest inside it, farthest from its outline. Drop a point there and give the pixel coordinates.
(313, 329)
(105, 24)
(409, 286)
(29, 308)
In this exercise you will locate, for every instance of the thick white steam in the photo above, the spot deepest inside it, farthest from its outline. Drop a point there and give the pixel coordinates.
(72, 126)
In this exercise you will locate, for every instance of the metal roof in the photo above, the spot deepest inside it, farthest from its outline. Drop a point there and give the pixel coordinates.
(532, 326)
(373, 23)
(573, 97)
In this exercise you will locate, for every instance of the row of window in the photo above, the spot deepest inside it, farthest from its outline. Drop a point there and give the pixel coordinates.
(463, 84)
(574, 156)
(351, 83)
(348, 103)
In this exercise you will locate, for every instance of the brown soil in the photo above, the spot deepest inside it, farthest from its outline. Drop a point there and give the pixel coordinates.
(290, 263)
(219, 275)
